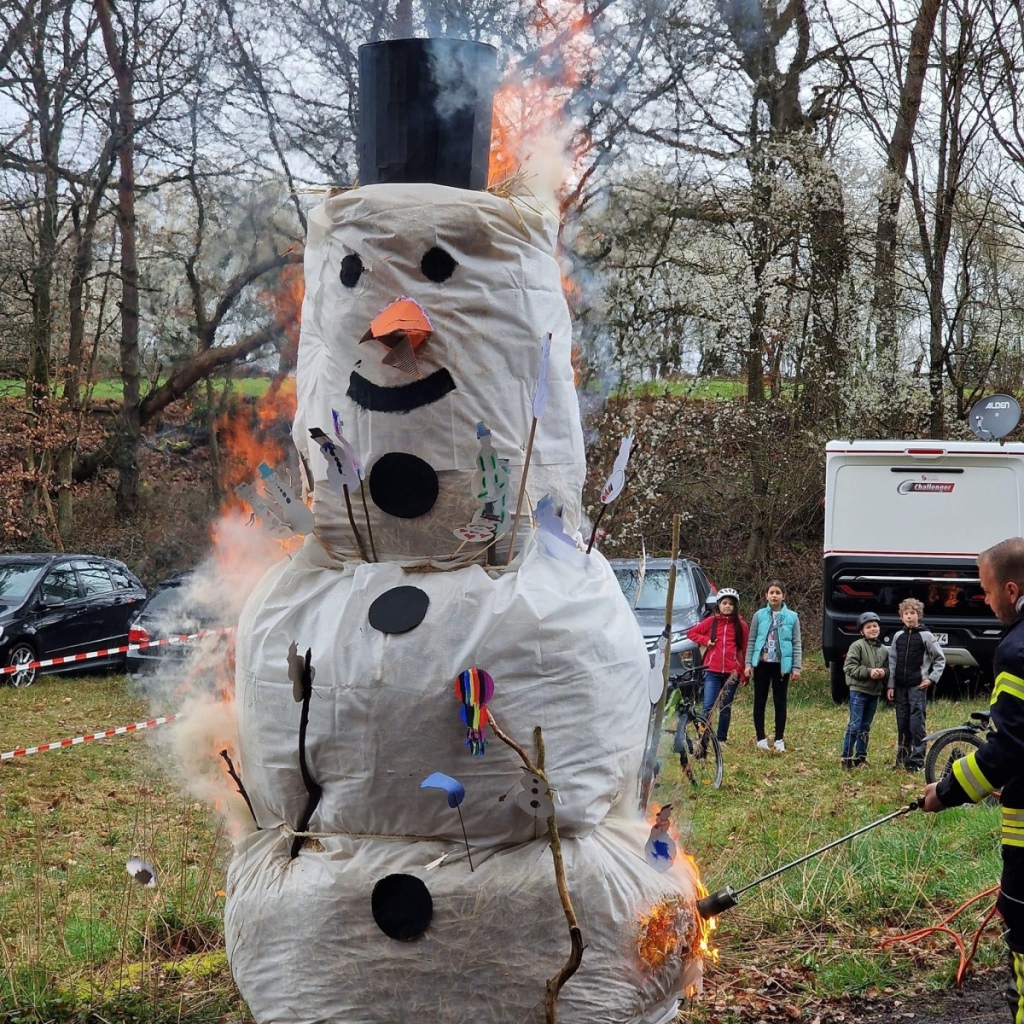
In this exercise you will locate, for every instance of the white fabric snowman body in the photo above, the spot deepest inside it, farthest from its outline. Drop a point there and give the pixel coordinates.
(363, 925)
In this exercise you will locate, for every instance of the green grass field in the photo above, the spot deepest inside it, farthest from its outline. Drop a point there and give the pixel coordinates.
(252, 387)
(255, 387)
(694, 388)
(81, 942)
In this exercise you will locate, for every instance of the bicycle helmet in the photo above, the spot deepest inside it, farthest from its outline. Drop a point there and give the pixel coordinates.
(865, 618)
(727, 592)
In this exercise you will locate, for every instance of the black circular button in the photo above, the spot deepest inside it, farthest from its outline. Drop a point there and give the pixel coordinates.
(401, 907)
(403, 485)
(398, 610)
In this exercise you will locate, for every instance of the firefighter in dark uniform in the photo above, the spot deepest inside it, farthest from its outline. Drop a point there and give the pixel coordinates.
(999, 762)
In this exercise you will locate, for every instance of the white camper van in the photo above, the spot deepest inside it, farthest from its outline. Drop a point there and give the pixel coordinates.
(907, 519)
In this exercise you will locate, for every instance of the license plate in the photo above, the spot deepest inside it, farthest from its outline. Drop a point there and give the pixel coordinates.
(941, 638)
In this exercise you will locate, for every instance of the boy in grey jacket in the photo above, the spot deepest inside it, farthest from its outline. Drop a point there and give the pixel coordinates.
(866, 669)
(916, 662)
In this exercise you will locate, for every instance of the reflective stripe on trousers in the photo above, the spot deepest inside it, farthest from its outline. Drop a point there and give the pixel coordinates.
(1015, 992)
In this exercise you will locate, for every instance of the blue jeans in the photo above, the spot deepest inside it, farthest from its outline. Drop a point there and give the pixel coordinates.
(713, 684)
(862, 713)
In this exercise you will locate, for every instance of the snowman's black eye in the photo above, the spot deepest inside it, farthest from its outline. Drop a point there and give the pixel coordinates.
(351, 270)
(437, 265)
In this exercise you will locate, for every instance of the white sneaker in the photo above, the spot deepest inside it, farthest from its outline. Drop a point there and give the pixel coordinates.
(780, 746)
(762, 744)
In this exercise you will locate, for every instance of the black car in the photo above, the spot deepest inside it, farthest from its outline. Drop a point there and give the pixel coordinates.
(175, 607)
(649, 594)
(54, 606)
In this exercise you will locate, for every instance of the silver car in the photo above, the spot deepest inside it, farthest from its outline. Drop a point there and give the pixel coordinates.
(648, 595)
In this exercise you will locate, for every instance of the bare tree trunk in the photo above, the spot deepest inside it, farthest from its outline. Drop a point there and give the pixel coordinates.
(127, 450)
(760, 256)
(72, 376)
(956, 66)
(216, 491)
(403, 19)
(38, 395)
(756, 554)
(891, 192)
(84, 233)
(825, 364)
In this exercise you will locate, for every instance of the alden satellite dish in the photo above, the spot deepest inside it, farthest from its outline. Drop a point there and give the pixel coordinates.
(994, 417)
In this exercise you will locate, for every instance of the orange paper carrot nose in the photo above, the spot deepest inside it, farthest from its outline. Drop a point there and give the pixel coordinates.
(402, 327)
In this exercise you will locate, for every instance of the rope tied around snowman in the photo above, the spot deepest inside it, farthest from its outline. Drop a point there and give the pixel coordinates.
(410, 837)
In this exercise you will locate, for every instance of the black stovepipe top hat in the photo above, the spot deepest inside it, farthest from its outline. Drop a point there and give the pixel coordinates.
(425, 111)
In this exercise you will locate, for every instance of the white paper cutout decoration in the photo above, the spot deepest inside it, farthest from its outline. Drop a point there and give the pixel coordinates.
(656, 680)
(551, 534)
(341, 473)
(491, 491)
(532, 796)
(614, 484)
(142, 872)
(287, 507)
(660, 849)
(262, 510)
(641, 572)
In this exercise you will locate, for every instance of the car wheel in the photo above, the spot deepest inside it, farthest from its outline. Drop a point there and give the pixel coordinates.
(837, 677)
(22, 654)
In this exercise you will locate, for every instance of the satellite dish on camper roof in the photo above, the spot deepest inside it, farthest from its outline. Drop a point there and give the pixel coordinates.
(994, 417)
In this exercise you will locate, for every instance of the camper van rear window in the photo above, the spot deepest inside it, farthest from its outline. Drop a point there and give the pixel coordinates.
(945, 593)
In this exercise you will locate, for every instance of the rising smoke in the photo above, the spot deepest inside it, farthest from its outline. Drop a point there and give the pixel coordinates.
(200, 686)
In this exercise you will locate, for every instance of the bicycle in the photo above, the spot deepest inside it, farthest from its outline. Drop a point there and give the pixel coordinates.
(700, 754)
(949, 745)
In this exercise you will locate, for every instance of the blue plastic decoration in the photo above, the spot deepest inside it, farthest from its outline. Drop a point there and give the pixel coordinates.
(455, 789)
(456, 792)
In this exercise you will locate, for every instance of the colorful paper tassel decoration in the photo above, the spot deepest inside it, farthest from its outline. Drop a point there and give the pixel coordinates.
(474, 688)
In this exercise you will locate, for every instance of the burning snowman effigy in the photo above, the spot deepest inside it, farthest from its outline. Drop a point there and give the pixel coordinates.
(404, 867)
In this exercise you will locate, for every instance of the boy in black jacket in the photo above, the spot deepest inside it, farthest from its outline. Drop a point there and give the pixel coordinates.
(999, 762)
(916, 662)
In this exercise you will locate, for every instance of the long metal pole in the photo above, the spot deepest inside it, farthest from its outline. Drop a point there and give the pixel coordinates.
(715, 903)
(825, 849)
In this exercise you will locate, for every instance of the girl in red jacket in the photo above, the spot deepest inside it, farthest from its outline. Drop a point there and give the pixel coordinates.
(724, 635)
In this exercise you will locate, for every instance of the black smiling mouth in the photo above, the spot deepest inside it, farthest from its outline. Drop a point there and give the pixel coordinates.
(401, 398)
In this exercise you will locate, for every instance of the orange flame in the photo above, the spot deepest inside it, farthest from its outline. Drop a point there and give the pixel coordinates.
(535, 95)
(253, 433)
(705, 926)
(672, 929)
(285, 302)
(661, 932)
(531, 107)
(257, 432)
(578, 366)
(520, 112)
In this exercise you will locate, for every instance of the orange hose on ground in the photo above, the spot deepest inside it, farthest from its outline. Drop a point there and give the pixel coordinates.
(942, 926)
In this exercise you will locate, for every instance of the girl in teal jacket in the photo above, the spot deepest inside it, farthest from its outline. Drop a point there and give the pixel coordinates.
(774, 655)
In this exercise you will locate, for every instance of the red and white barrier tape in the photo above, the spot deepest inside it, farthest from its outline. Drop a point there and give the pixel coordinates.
(149, 723)
(107, 651)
